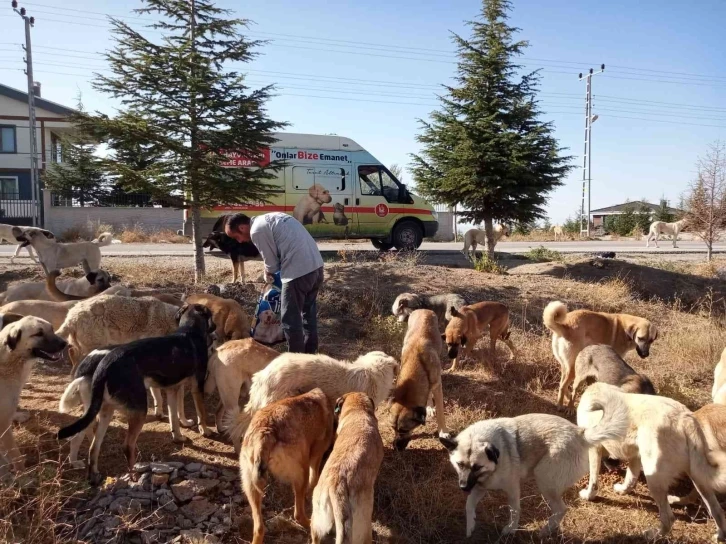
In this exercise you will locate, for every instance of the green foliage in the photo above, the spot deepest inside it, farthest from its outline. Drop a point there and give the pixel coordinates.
(662, 213)
(630, 220)
(572, 225)
(183, 106)
(486, 150)
(542, 253)
(524, 229)
(489, 264)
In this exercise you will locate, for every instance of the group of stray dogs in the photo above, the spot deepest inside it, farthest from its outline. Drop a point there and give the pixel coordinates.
(310, 420)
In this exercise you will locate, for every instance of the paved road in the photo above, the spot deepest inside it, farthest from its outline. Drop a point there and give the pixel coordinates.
(684, 247)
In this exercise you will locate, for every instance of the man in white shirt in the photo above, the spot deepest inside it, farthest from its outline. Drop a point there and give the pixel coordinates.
(286, 246)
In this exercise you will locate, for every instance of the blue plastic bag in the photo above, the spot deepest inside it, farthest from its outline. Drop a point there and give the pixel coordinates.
(266, 323)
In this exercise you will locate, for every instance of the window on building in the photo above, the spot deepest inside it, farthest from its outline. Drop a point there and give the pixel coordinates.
(8, 140)
(9, 188)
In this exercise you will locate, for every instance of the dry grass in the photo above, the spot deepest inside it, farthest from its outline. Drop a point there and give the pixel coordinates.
(138, 234)
(417, 497)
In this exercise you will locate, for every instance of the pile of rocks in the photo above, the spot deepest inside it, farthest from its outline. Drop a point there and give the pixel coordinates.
(164, 502)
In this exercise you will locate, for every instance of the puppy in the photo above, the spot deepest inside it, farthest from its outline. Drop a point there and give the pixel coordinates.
(92, 284)
(573, 331)
(469, 324)
(718, 393)
(664, 440)
(231, 368)
(294, 373)
(23, 340)
(55, 256)
(239, 252)
(6, 233)
(229, 317)
(500, 453)
(419, 379)
(406, 303)
(120, 378)
(343, 498)
(287, 440)
(601, 363)
(308, 208)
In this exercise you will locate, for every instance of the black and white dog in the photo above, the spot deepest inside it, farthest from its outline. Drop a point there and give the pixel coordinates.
(120, 377)
(239, 252)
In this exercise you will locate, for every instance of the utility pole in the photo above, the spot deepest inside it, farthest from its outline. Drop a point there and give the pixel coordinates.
(34, 178)
(586, 158)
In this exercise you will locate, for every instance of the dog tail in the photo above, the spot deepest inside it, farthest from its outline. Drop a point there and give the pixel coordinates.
(259, 459)
(553, 317)
(615, 419)
(343, 515)
(235, 425)
(71, 396)
(98, 389)
(104, 239)
(56, 293)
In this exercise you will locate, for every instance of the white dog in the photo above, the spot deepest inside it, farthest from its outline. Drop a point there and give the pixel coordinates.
(297, 373)
(661, 227)
(478, 236)
(500, 453)
(7, 234)
(559, 231)
(55, 256)
(664, 440)
(307, 210)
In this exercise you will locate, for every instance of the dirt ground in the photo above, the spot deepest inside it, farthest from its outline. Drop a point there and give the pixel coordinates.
(417, 496)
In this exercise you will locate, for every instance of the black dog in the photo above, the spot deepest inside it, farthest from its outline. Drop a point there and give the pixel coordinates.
(239, 252)
(119, 377)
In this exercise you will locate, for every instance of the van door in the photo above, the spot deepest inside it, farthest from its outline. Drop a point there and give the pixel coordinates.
(320, 197)
(379, 203)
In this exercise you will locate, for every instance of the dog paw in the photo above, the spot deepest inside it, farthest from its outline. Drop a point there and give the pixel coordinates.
(78, 464)
(445, 434)
(675, 500)
(621, 488)
(430, 412)
(186, 423)
(207, 432)
(179, 439)
(588, 494)
(652, 534)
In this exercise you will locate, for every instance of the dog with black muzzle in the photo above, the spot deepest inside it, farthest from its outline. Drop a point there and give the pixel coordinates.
(500, 453)
(23, 340)
(121, 377)
(419, 379)
(469, 323)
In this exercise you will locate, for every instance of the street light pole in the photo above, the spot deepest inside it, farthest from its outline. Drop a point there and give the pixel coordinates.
(34, 177)
(586, 158)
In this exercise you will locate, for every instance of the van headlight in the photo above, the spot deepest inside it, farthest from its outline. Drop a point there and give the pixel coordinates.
(435, 215)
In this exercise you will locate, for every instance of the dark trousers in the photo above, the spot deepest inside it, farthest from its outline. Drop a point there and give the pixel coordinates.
(300, 312)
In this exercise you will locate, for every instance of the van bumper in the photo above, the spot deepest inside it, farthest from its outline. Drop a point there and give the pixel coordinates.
(430, 228)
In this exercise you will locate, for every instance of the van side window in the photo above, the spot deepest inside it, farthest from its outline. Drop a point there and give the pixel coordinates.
(331, 178)
(370, 180)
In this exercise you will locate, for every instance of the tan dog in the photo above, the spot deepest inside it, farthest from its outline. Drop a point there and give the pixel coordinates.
(229, 317)
(343, 498)
(85, 287)
(419, 379)
(55, 256)
(231, 368)
(23, 340)
(573, 331)
(473, 237)
(287, 440)
(469, 324)
(718, 393)
(53, 312)
(308, 208)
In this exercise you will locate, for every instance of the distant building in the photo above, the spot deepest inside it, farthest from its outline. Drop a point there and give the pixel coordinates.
(597, 217)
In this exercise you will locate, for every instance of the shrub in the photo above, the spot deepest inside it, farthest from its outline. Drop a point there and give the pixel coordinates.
(489, 265)
(542, 253)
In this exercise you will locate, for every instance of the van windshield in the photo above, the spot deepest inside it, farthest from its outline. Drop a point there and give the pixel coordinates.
(375, 180)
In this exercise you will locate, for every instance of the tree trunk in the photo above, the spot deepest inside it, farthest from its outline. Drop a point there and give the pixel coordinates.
(709, 251)
(199, 264)
(489, 234)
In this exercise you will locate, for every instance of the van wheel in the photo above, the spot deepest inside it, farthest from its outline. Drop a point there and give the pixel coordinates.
(407, 235)
(380, 244)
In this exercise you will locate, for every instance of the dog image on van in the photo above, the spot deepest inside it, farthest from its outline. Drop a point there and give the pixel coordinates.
(500, 453)
(339, 217)
(308, 209)
(664, 440)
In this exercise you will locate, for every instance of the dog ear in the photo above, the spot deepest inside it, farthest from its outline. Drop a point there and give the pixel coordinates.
(449, 443)
(403, 303)
(454, 312)
(91, 277)
(180, 313)
(48, 234)
(630, 331)
(419, 415)
(492, 453)
(6, 319)
(13, 338)
(339, 405)
(443, 336)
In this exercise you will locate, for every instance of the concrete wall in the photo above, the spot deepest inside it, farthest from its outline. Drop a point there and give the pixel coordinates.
(446, 227)
(61, 218)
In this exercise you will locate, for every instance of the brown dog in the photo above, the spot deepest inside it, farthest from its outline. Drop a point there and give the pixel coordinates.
(573, 331)
(343, 499)
(229, 317)
(469, 323)
(286, 439)
(419, 378)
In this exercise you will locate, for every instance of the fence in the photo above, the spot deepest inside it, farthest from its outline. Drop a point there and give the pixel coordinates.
(13, 207)
(113, 200)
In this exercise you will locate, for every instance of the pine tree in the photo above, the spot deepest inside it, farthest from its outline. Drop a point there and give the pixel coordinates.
(487, 150)
(80, 175)
(184, 104)
(662, 213)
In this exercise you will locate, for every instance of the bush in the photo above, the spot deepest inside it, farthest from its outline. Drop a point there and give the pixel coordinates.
(541, 253)
(489, 265)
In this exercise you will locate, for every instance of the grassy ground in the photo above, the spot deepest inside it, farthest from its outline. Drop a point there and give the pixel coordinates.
(417, 497)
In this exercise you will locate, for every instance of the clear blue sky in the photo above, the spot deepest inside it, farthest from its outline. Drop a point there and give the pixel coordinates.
(368, 70)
